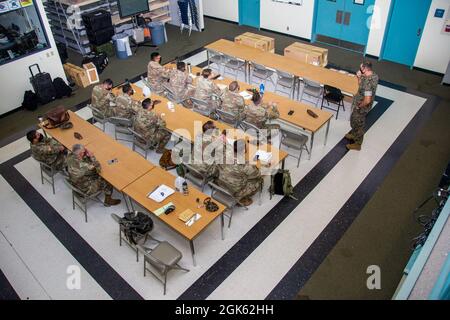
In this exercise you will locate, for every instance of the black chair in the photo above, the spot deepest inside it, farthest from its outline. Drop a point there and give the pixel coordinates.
(332, 95)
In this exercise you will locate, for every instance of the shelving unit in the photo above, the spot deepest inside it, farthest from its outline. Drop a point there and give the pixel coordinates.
(76, 39)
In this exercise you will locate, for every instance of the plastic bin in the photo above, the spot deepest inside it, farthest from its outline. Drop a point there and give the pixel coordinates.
(158, 32)
(121, 43)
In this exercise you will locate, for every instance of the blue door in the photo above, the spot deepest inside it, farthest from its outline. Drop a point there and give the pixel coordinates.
(249, 13)
(343, 22)
(404, 31)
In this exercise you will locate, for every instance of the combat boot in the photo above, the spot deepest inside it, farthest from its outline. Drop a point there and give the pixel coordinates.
(354, 146)
(349, 136)
(246, 201)
(109, 201)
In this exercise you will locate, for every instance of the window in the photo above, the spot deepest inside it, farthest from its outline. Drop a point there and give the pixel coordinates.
(21, 30)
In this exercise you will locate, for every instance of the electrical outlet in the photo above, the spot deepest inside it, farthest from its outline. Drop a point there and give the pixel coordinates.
(287, 28)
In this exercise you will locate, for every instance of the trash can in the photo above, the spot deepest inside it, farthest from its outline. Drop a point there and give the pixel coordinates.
(158, 32)
(122, 45)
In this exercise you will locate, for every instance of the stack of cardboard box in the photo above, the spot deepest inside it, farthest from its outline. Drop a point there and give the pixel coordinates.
(256, 41)
(77, 74)
(307, 53)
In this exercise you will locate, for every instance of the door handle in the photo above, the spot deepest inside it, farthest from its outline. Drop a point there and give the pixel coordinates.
(419, 32)
(339, 16)
(347, 16)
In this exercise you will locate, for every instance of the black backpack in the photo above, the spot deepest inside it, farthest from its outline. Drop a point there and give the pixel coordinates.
(61, 88)
(135, 224)
(30, 100)
(282, 185)
(100, 60)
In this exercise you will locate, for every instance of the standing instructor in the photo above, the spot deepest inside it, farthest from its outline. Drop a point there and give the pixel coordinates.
(362, 103)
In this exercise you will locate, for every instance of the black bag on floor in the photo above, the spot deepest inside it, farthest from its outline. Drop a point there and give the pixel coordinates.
(135, 225)
(42, 85)
(30, 100)
(282, 185)
(100, 60)
(61, 88)
(62, 51)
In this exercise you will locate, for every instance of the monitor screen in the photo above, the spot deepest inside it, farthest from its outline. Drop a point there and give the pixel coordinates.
(128, 8)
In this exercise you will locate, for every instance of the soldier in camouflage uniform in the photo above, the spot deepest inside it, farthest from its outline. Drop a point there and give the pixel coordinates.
(156, 73)
(242, 180)
(259, 112)
(181, 83)
(205, 90)
(47, 150)
(232, 101)
(362, 103)
(84, 172)
(102, 98)
(151, 126)
(126, 107)
(208, 147)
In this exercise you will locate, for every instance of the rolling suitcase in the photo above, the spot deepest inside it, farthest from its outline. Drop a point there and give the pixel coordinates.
(42, 85)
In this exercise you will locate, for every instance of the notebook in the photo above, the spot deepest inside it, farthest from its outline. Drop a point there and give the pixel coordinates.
(246, 95)
(263, 156)
(186, 215)
(161, 210)
(221, 86)
(160, 193)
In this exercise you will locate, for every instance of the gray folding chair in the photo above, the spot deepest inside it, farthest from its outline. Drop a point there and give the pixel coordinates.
(140, 238)
(171, 95)
(152, 89)
(98, 116)
(254, 131)
(312, 89)
(162, 258)
(226, 198)
(202, 107)
(260, 74)
(216, 58)
(80, 199)
(48, 174)
(233, 66)
(295, 141)
(122, 126)
(228, 117)
(195, 176)
(285, 81)
(141, 143)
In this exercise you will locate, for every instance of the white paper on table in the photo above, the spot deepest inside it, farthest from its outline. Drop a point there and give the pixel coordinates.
(263, 155)
(246, 95)
(161, 193)
(193, 76)
(192, 220)
(222, 86)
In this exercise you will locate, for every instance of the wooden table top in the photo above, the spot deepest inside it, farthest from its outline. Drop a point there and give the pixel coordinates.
(139, 189)
(348, 84)
(66, 137)
(129, 166)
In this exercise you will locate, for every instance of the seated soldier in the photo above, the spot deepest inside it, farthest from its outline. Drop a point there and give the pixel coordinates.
(47, 150)
(84, 172)
(232, 101)
(258, 112)
(102, 98)
(209, 150)
(156, 73)
(151, 126)
(242, 180)
(206, 89)
(181, 82)
(126, 107)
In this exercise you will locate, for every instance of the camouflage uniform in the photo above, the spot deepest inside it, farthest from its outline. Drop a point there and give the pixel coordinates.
(181, 84)
(368, 86)
(126, 107)
(101, 99)
(49, 152)
(259, 114)
(156, 75)
(208, 165)
(84, 174)
(204, 91)
(150, 126)
(241, 180)
(233, 102)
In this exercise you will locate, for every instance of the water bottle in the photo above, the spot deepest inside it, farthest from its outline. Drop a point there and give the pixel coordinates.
(185, 188)
(189, 68)
(261, 89)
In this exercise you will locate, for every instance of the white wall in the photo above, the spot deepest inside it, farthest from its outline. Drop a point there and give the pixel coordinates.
(14, 76)
(222, 9)
(434, 49)
(287, 18)
(378, 27)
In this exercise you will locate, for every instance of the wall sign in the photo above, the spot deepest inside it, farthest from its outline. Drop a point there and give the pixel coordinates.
(446, 27)
(439, 13)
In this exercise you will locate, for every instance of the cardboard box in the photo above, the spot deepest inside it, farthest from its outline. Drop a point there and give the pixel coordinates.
(77, 74)
(307, 53)
(256, 41)
(91, 72)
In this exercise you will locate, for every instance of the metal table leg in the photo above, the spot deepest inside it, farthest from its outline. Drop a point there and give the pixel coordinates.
(222, 225)
(326, 132)
(191, 244)
(207, 57)
(247, 71)
(125, 198)
(311, 145)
